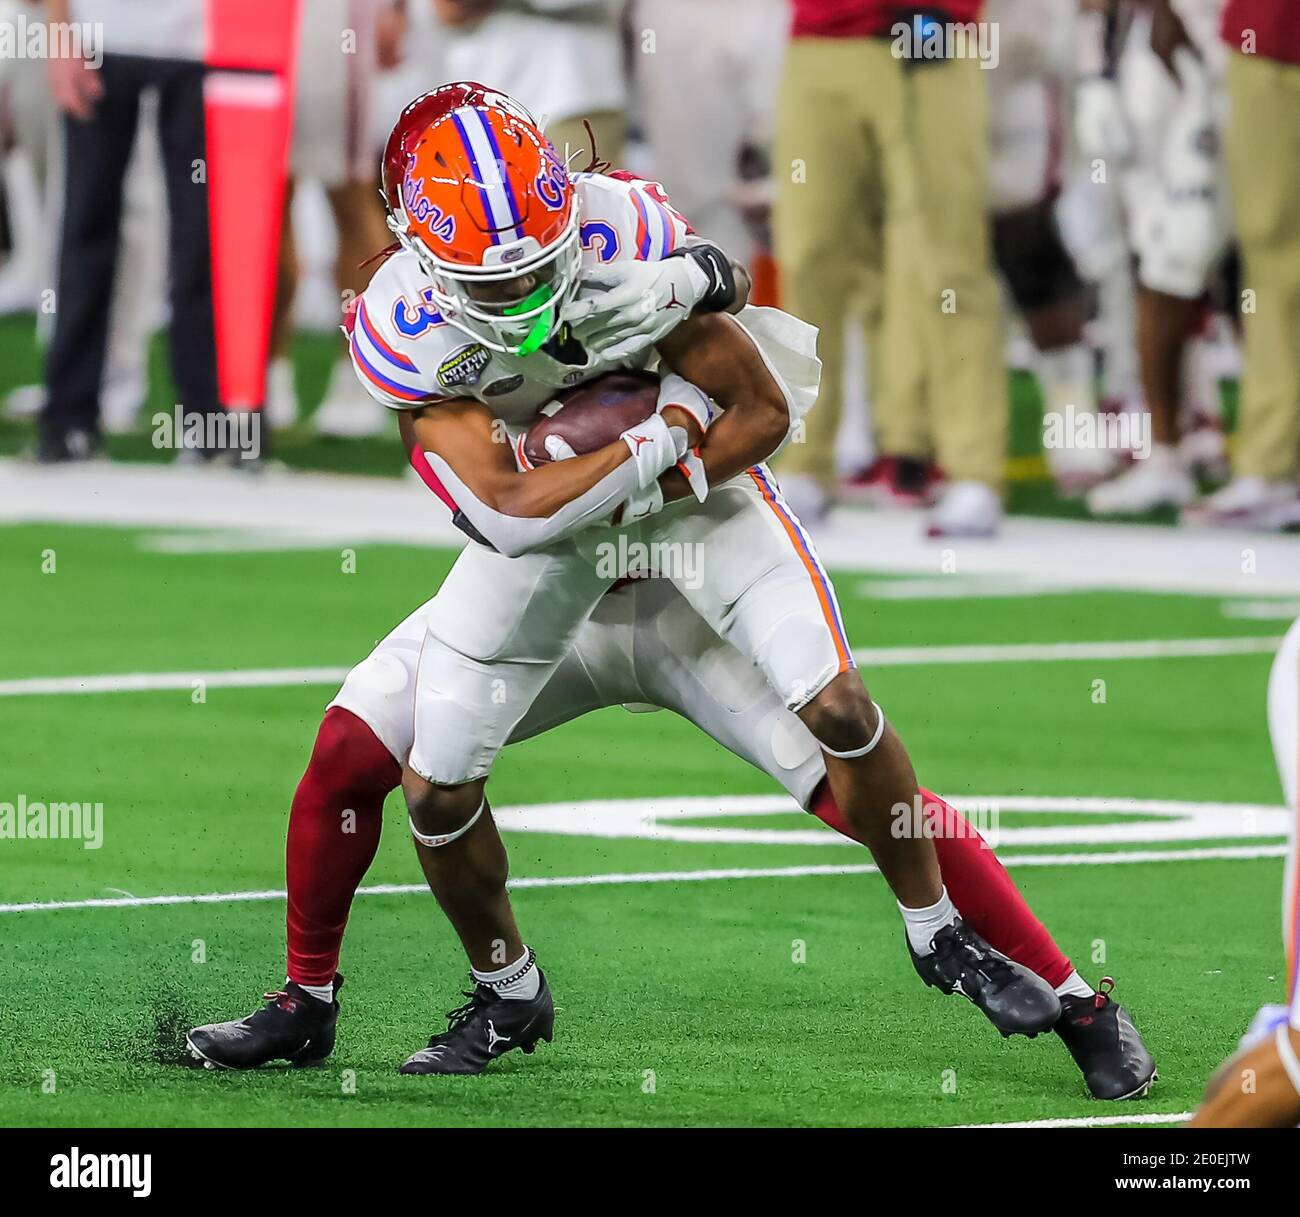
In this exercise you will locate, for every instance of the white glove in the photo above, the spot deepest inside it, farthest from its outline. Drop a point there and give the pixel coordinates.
(558, 448)
(648, 499)
(1100, 125)
(643, 503)
(624, 308)
(674, 390)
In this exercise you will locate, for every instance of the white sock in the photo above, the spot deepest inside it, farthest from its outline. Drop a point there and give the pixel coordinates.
(519, 980)
(923, 924)
(1075, 986)
(1065, 377)
(323, 993)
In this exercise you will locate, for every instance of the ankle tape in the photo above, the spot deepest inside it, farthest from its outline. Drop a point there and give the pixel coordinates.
(856, 752)
(447, 838)
(530, 962)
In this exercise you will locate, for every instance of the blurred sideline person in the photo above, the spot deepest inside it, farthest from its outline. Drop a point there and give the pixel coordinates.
(340, 46)
(1028, 96)
(25, 117)
(881, 160)
(1091, 210)
(562, 59)
(139, 286)
(707, 73)
(1259, 1087)
(149, 44)
(1263, 156)
(1171, 90)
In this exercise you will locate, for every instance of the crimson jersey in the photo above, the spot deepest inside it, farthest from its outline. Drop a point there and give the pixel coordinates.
(869, 18)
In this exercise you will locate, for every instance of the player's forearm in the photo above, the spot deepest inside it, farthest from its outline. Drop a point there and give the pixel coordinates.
(517, 534)
(720, 359)
(453, 448)
(548, 489)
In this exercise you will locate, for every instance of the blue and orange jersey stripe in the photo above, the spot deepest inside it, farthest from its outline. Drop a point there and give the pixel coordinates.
(381, 344)
(811, 563)
(642, 228)
(381, 381)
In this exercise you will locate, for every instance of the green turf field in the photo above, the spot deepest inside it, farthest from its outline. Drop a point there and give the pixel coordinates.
(748, 1000)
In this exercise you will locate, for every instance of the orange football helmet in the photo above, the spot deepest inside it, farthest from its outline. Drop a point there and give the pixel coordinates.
(489, 209)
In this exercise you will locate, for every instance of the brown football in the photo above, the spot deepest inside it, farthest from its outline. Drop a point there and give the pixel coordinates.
(594, 414)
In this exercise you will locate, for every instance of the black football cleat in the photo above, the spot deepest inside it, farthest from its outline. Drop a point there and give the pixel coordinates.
(293, 1026)
(1014, 999)
(484, 1028)
(1105, 1045)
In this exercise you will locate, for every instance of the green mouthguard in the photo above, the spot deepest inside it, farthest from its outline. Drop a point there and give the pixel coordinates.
(541, 327)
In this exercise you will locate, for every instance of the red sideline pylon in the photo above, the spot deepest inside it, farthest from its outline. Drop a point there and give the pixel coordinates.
(248, 104)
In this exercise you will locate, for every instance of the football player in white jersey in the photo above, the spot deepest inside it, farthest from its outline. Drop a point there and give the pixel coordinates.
(472, 327)
(1259, 1087)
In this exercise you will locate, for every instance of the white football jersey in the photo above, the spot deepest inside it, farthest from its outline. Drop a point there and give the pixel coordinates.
(407, 355)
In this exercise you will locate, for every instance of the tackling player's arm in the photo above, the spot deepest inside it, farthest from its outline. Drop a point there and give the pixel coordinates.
(717, 356)
(517, 512)
(729, 280)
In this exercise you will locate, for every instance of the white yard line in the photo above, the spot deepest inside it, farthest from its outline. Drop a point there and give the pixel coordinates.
(147, 682)
(1050, 652)
(877, 657)
(687, 876)
(1150, 1117)
(321, 510)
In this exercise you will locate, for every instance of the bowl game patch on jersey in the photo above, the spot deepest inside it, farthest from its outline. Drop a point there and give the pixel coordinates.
(464, 366)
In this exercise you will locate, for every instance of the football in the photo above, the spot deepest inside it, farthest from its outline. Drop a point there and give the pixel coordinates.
(594, 414)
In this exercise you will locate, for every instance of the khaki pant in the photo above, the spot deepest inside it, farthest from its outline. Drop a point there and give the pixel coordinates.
(1264, 166)
(881, 186)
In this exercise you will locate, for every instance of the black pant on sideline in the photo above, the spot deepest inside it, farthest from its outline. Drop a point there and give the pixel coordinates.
(96, 154)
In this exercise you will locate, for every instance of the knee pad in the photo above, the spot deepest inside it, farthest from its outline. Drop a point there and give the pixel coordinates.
(1033, 259)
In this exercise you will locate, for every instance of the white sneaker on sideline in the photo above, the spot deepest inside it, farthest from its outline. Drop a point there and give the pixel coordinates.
(281, 407)
(1077, 470)
(121, 398)
(1158, 481)
(1247, 502)
(966, 509)
(26, 401)
(348, 411)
